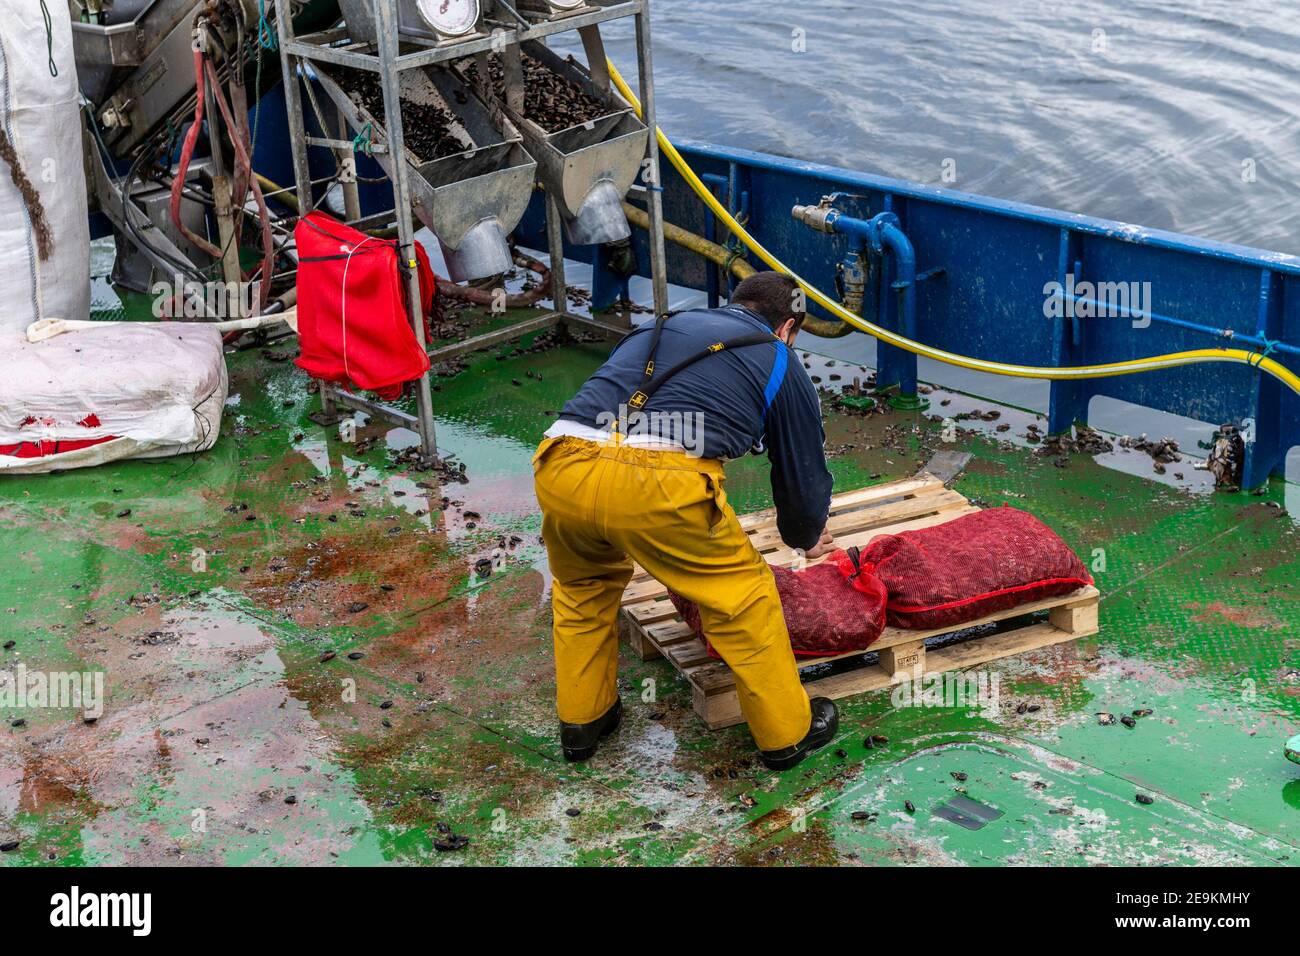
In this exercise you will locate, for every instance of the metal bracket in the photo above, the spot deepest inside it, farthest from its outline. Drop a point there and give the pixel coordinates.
(342, 144)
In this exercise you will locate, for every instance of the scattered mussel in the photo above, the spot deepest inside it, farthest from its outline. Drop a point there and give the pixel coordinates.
(550, 100)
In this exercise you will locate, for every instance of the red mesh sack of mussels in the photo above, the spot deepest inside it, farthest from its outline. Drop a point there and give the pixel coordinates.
(833, 607)
(975, 565)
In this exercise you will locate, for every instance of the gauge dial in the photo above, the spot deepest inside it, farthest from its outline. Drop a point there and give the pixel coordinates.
(451, 18)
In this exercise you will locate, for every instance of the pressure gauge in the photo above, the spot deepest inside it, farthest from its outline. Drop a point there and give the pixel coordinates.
(450, 18)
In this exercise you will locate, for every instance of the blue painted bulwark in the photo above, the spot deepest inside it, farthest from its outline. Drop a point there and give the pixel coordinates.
(993, 297)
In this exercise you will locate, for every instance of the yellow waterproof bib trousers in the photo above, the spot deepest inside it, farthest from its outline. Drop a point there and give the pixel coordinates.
(605, 505)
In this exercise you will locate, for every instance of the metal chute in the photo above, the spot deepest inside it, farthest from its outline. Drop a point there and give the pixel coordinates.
(587, 166)
(471, 200)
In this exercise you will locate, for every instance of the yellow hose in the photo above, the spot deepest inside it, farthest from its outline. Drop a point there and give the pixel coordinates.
(1154, 363)
(689, 240)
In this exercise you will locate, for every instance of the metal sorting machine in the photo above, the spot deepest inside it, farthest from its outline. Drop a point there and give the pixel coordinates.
(470, 200)
(133, 64)
(588, 165)
(435, 58)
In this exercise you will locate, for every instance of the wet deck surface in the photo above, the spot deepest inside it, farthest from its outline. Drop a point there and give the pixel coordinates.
(209, 589)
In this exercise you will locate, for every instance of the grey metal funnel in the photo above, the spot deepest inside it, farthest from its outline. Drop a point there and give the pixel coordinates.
(600, 218)
(482, 252)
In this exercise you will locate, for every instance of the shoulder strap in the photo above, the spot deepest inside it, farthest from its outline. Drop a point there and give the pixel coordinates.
(655, 335)
(653, 383)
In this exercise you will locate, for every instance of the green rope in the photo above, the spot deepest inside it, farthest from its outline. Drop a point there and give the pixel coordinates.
(257, 104)
(265, 36)
(49, 39)
(1270, 346)
(734, 253)
(361, 142)
(735, 249)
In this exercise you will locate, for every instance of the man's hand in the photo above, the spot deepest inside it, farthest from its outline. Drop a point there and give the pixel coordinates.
(825, 545)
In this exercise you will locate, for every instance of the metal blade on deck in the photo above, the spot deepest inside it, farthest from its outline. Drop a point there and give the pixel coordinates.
(946, 465)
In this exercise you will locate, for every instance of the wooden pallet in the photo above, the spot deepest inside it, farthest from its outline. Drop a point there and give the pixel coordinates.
(653, 628)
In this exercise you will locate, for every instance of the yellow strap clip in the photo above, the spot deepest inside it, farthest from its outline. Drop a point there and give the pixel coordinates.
(638, 399)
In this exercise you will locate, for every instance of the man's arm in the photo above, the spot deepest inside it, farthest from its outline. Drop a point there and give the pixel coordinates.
(801, 483)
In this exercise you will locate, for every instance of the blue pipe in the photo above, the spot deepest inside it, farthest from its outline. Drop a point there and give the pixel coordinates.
(711, 234)
(710, 270)
(740, 211)
(1230, 335)
(883, 233)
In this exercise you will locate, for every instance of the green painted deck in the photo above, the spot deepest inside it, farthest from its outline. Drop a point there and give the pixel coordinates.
(208, 588)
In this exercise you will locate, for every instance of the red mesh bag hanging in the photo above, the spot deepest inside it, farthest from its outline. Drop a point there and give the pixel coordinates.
(971, 566)
(830, 608)
(352, 322)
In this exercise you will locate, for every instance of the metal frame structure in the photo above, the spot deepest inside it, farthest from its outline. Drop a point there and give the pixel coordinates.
(388, 60)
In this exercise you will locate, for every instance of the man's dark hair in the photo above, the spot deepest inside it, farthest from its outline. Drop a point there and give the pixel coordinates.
(772, 296)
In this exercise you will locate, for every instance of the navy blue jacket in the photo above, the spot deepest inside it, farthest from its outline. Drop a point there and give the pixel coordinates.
(754, 397)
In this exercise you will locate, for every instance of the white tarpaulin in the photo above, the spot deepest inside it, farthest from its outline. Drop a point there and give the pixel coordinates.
(156, 387)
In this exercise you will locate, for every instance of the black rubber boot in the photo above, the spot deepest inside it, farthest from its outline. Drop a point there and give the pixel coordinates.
(825, 724)
(579, 740)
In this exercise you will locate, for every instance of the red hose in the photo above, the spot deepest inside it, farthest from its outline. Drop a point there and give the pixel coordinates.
(268, 248)
(515, 300)
(187, 153)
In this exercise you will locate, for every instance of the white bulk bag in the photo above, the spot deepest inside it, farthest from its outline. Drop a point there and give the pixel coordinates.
(39, 113)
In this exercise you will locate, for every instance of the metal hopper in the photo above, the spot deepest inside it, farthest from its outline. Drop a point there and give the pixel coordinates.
(587, 167)
(470, 200)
